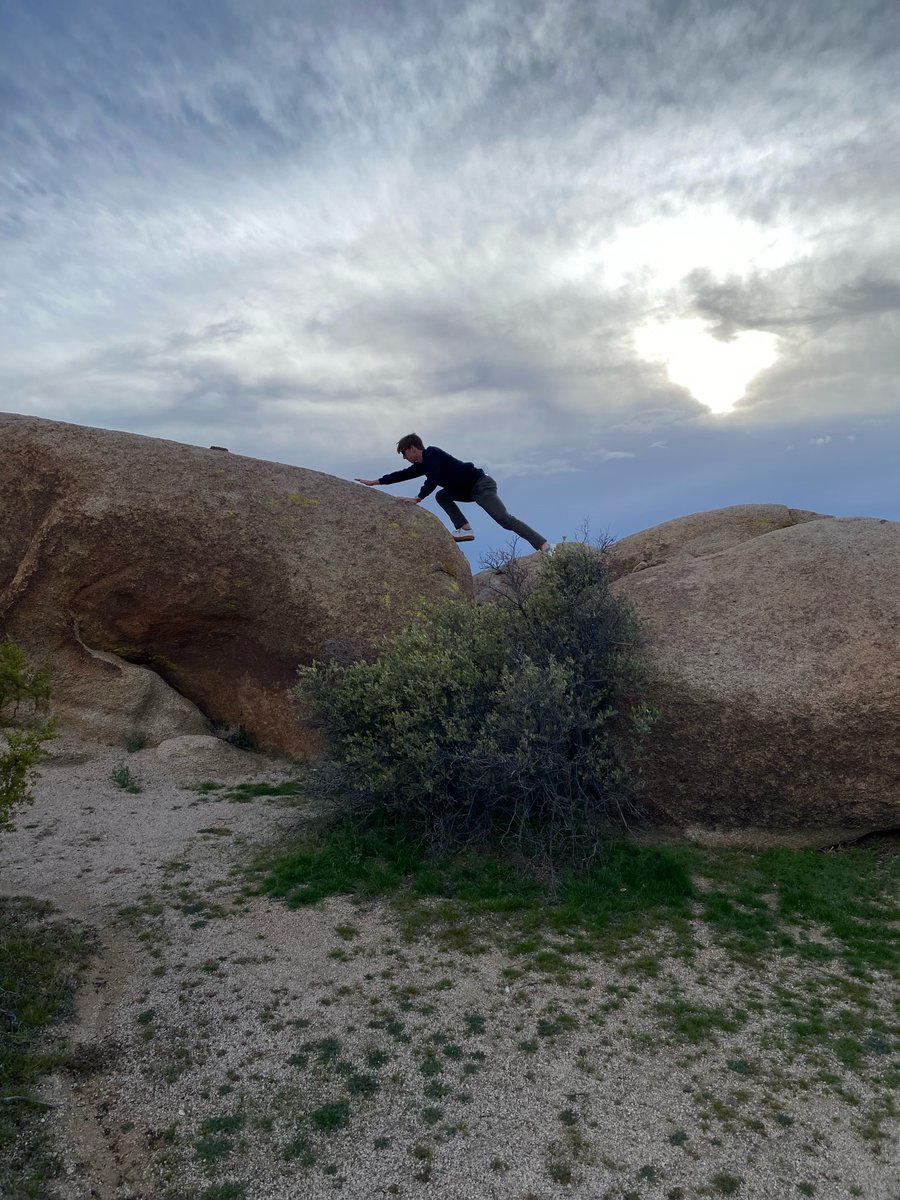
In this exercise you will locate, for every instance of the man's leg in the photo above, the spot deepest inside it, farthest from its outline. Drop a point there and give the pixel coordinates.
(452, 509)
(484, 493)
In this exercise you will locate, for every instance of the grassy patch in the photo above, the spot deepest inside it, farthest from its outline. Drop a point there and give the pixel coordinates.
(243, 793)
(39, 959)
(828, 908)
(825, 906)
(825, 917)
(329, 1118)
(627, 888)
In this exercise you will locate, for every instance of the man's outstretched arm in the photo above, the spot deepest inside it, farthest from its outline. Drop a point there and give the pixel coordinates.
(412, 472)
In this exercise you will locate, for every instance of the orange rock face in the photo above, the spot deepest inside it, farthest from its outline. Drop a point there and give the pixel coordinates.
(220, 573)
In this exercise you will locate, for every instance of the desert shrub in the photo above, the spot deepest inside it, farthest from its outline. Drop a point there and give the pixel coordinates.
(20, 749)
(513, 725)
(20, 681)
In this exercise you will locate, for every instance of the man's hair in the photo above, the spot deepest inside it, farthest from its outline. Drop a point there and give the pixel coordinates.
(411, 439)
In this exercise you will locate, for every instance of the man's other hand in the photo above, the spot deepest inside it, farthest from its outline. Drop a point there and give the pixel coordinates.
(367, 482)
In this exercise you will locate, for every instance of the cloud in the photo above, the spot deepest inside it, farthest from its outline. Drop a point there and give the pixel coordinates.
(303, 230)
(820, 441)
(609, 455)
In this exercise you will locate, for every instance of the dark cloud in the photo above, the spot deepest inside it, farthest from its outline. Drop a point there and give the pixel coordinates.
(784, 304)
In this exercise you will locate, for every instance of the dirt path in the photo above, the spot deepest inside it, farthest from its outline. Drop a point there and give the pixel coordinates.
(229, 1047)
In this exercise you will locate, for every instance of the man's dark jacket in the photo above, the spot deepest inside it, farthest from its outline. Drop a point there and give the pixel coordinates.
(440, 470)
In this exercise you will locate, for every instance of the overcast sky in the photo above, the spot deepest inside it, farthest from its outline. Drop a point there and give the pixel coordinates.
(637, 258)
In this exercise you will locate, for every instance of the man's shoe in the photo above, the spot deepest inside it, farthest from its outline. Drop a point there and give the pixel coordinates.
(464, 535)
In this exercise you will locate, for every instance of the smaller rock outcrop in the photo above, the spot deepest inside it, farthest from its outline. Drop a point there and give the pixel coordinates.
(114, 699)
(195, 757)
(702, 534)
(773, 643)
(694, 536)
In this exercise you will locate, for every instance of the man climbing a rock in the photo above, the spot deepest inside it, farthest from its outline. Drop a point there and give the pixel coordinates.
(459, 483)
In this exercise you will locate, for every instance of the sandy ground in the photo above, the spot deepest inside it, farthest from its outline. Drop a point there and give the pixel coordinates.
(227, 1046)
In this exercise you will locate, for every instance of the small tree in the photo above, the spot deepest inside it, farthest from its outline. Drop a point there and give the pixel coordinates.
(507, 725)
(20, 684)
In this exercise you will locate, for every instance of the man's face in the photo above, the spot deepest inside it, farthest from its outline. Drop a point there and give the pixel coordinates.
(413, 454)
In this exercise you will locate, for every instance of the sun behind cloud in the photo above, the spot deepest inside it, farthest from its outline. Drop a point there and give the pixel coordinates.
(715, 372)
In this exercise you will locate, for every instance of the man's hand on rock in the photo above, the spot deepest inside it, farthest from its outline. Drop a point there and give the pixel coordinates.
(367, 482)
(409, 499)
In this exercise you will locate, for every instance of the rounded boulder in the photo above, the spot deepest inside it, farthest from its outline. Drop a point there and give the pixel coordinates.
(775, 666)
(219, 573)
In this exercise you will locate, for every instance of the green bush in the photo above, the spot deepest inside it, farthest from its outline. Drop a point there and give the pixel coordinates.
(20, 683)
(513, 725)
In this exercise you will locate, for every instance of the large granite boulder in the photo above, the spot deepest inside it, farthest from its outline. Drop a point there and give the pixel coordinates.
(776, 667)
(217, 572)
(774, 651)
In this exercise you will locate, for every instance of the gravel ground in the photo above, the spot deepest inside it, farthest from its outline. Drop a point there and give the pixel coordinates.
(226, 1046)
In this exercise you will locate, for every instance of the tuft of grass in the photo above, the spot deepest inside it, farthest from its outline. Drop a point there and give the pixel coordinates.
(329, 1118)
(135, 742)
(430, 1066)
(725, 1184)
(697, 1023)
(211, 1149)
(740, 1066)
(360, 1084)
(123, 777)
(40, 956)
(231, 1190)
(559, 1169)
(328, 1050)
(300, 1149)
(225, 1124)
